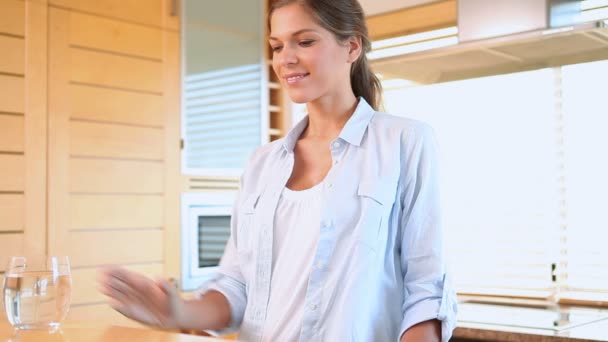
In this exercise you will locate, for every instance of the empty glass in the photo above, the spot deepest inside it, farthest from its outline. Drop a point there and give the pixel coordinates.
(37, 291)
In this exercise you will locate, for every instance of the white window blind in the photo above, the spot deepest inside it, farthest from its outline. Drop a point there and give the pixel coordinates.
(223, 117)
(524, 176)
(499, 167)
(213, 234)
(585, 115)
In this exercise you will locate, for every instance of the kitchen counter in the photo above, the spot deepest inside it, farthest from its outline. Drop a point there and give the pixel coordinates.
(493, 322)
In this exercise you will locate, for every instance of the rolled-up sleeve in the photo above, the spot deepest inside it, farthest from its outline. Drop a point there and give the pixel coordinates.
(228, 279)
(428, 292)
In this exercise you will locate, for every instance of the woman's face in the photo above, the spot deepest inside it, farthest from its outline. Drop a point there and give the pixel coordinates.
(307, 58)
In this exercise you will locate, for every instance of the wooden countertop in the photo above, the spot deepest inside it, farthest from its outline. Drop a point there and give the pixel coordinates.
(89, 331)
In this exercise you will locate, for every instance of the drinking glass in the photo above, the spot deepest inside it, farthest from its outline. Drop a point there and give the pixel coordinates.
(37, 291)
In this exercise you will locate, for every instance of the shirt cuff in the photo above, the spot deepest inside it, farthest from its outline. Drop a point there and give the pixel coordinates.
(234, 291)
(444, 309)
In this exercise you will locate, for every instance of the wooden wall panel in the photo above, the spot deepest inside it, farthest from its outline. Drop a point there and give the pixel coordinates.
(11, 133)
(10, 245)
(12, 173)
(84, 281)
(12, 212)
(101, 313)
(115, 176)
(118, 106)
(110, 70)
(115, 212)
(111, 35)
(138, 11)
(117, 141)
(12, 17)
(13, 55)
(98, 247)
(12, 94)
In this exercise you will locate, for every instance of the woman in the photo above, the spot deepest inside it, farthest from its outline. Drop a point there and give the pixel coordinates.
(335, 234)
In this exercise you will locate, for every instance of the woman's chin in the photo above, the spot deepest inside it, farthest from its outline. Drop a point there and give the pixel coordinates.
(299, 97)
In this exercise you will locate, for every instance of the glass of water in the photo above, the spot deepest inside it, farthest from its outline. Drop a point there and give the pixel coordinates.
(37, 291)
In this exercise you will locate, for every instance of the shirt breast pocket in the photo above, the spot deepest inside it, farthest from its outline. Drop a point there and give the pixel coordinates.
(246, 225)
(376, 198)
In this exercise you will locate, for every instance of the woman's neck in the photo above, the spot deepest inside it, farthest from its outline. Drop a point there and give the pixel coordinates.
(327, 116)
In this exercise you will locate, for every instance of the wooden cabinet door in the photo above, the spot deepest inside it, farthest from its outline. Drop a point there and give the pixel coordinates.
(113, 142)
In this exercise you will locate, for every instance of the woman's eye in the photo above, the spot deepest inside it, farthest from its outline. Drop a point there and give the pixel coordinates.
(307, 42)
(276, 48)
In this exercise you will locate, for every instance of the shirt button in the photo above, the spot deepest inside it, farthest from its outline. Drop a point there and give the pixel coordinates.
(330, 185)
(336, 144)
(313, 307)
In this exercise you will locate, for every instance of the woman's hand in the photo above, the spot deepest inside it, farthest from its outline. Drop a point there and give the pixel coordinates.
(150, 302)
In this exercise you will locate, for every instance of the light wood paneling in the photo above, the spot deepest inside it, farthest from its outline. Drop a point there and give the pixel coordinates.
(91, 211)
(116, 71)
(99, 313)
(36, 88)
(431, 16)
(11, 133)
(118, 141)
(11, 212)
(12, 172)
(115, 247)
(115, 176)
(111, 35)
(12, 94)
(10, 245)
(148, 12)
(84, 281)
(12, 17)
(117, 106)
(172, 154)
(172, 20)
(13, 52)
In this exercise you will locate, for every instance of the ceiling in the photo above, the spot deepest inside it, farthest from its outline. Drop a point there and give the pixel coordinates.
(373, 7)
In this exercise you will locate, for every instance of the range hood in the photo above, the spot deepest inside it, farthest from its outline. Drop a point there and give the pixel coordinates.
(504, 36)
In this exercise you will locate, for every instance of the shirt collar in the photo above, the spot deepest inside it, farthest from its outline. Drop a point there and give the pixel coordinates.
(352, 132)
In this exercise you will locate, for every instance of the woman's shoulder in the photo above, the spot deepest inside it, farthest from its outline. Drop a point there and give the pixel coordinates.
(404, 125)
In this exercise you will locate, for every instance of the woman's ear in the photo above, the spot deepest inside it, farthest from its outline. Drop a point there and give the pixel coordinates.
(354, 48)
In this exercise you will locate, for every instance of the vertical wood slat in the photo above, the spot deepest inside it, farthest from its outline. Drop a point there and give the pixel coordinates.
(35, 240)
(117, 141)
(12, 94)
(11, 133)
(12, 173)
(12, 17)
(116, 212)
(13, 55)
(59, 109)
(12, 212)
(110, 70)
(112, 35)
(172, 100)
(126, 10)
(118, 106)
(115, 176)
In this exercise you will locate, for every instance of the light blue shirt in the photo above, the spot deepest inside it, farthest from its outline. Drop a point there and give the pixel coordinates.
(379, 265)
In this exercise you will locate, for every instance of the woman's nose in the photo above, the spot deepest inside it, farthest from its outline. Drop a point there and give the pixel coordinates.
(287, 56)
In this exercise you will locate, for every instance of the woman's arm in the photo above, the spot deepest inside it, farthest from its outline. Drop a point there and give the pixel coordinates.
(427, 331)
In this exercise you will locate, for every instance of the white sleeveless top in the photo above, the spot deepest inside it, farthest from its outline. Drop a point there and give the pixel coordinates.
(296, 233)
